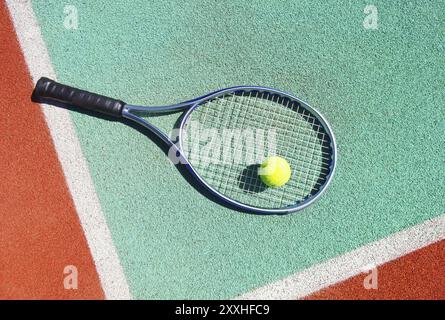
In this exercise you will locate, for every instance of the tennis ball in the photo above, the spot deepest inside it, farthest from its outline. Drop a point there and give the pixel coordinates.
(274, 172)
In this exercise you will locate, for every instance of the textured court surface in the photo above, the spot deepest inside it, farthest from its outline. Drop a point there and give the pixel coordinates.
(382, 91)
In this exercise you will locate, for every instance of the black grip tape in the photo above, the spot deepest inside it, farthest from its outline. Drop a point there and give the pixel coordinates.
(51, 90)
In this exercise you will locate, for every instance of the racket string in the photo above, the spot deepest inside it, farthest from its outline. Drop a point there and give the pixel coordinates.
(300, 139)
(244, 118)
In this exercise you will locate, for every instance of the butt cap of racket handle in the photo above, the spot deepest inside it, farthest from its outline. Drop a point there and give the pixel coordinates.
(51, 90)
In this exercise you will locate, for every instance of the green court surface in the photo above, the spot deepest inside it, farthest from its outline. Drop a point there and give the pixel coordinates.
(382, 91)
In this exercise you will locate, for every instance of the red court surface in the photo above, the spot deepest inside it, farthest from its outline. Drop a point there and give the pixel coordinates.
(418, 275)
(40, 230)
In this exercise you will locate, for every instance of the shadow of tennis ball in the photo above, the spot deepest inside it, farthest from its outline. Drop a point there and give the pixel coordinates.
(249, 180)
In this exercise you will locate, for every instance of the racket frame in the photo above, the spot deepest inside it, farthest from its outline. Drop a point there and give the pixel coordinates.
(191, 105)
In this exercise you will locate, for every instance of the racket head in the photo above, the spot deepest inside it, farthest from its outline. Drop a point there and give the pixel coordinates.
(303, 137)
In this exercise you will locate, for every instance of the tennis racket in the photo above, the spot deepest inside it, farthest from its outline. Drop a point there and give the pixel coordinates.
(224, 136)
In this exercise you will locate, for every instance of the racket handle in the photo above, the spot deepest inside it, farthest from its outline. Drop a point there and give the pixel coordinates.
(51, 90)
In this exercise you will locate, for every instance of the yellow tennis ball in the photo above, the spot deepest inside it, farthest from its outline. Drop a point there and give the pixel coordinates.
(274, 172)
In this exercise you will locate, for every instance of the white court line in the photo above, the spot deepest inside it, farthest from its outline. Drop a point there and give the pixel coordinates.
(352, 263)
(71, 158)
